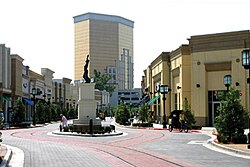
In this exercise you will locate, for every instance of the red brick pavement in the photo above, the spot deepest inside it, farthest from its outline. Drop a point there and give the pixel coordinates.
(125, 151)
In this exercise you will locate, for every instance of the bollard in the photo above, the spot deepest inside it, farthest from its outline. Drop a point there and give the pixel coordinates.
(248, 138)
(60, 127)
(248, 135)
(91, 126)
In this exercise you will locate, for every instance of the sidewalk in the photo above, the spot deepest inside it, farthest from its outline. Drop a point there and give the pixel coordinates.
(239, 150)
(12, 156)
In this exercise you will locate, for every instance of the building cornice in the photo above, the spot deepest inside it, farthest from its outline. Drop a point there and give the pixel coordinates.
(220, 41)
(164, 56)
(35, 75)
(16, 56)
(182, 50)
(103, 17)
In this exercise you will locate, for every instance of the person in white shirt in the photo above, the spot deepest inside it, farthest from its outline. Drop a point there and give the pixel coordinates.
(64, 121)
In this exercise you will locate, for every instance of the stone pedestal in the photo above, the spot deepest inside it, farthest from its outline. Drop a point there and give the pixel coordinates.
(87, 105)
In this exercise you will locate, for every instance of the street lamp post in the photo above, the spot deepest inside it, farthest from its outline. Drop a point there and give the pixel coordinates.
(227, 81)
(34, 93)
(122, 97)
(49, 97)
(61, 103)
(164, 90)
(246, 64)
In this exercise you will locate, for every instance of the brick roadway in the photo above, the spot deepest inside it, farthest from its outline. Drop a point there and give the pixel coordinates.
(41, 149)
(137, 148)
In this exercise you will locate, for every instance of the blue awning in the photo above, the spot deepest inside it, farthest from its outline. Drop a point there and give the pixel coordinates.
(28, 101)
(145, 99)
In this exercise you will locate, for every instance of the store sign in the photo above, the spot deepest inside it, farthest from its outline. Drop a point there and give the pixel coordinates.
(25, 86)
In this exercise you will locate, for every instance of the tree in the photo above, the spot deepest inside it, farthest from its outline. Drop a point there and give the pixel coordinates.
(47, 112)
(18, 113)
(58, 112)
(40, 112)
(71, 113)
(122, 114)
(143, 113)
(102, 82)
(188, 114)
(231, 119)
(64, 112)
(54, 115)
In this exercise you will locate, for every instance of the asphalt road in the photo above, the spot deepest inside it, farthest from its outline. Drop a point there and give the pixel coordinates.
(136, 147)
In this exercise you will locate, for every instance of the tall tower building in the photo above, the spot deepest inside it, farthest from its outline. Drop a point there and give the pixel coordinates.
(108, 39)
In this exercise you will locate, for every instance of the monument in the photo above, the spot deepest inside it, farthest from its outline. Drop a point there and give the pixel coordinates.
(86, 72)
(86, 104)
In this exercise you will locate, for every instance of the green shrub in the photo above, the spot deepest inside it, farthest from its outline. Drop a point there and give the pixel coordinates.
(196, 127)
(66, 129)
(143, 124)
(242, 139)
(230, 121)
(122, 114)
(223, 138)
(71, 113)
(18, 113)
(40, 112)
(188, 114)
(143, 113)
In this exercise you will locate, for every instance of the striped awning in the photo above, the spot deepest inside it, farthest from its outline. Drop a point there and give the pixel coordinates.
(153, 100)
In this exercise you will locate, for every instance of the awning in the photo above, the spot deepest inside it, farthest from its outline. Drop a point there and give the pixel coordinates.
(145, 99)
(28, 101)
(153, 100)
(5, 98)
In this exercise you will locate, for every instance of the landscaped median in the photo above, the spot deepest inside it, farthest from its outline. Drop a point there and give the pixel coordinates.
(116, 133)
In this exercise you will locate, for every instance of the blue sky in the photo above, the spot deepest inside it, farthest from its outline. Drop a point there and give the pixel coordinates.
(42, 31)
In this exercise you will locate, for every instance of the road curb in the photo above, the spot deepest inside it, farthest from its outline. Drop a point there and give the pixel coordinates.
(7, 157)
(213, 143)
(236, 151)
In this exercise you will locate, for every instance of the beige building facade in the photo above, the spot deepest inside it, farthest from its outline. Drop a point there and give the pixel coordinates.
(212, 57)
(180, 75)
(196, 73)
(157, 74)
(108, 39)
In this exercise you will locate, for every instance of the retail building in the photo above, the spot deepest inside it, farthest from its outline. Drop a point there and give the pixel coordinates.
(196, 72)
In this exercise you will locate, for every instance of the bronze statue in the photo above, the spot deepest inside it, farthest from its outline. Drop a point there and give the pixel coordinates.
(85, 74)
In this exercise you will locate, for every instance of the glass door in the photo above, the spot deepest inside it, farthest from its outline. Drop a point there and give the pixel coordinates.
(213, 104)
(215, 112)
